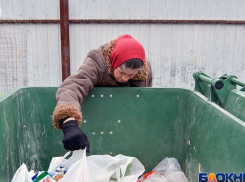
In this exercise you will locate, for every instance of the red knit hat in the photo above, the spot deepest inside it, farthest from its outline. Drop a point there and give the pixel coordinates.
(125, 48)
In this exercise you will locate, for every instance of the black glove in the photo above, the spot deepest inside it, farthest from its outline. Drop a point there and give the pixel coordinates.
(74, 138)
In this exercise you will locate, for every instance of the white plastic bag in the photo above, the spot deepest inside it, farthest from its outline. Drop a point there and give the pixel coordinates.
(119, 168)
(168, 170)
(95, 168)
(21, 175)
(77, 165)
(56, 161)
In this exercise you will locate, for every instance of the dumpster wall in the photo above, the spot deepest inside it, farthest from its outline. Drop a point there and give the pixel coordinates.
(148, 123)
(216, 139)
(151, 127)
(235, 104)
(26, 132)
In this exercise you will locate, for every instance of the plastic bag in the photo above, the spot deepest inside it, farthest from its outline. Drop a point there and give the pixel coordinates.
(168, 170)
(96, 168)
(77, 165)
(21, 175)
(121, 168)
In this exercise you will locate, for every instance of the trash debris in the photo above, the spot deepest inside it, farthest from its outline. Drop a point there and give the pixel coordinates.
(44, 177)
(101, 168)
(168, 170)
(105, 168)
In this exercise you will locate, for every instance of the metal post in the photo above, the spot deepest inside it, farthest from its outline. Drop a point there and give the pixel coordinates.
(65, 45)
(206, 79)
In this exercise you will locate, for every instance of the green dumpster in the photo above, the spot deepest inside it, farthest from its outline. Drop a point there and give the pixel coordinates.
(147, 123)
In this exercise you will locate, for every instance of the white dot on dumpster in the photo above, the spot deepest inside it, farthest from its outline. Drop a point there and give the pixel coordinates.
(24, 126)
(93, 133)
(110, 95)
(119, 121)
(84, 121)
(102, 96)
(137, 96)
(111, 132)
(102, 133)
(92, 96)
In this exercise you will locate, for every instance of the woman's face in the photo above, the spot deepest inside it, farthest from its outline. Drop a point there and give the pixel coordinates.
(125, 74)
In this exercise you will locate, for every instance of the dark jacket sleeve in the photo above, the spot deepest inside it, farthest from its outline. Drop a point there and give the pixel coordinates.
(75, 88)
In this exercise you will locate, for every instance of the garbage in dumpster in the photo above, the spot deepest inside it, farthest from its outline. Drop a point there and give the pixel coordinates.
(121, 168)
(44, 177)
(76, 167)
(22, 175)
(99, 168)
(60, 169)
(59, 173)
(168, 170)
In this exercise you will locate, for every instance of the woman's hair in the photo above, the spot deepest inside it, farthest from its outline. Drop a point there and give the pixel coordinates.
(133, 63)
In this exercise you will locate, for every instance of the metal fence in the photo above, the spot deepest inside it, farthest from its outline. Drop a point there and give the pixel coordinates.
(13, 59)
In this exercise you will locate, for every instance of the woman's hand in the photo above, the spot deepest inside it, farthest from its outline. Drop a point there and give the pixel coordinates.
(74, 137)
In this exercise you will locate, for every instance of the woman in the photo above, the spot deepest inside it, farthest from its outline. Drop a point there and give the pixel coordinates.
(121, 63)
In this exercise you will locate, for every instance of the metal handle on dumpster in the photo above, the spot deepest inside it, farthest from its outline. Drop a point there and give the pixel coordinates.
(216, 90)
(217, 83)
(222, 91)
(238, 82)
(204, 78)
(231, 79)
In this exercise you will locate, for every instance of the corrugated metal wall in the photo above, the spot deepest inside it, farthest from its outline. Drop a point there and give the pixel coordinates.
(174, 50)
(126, 9)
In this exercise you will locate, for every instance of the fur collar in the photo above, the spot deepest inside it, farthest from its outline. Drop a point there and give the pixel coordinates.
(141, 75)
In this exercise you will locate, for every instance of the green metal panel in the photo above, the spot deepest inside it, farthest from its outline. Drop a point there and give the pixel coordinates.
(150, 125)
(26, 132)
(154, 123)
(216, 140)
(236, 104)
